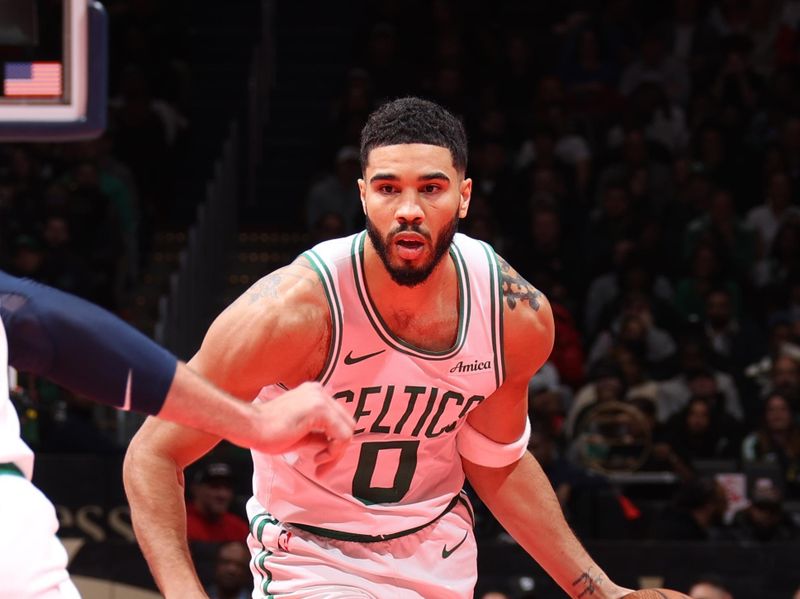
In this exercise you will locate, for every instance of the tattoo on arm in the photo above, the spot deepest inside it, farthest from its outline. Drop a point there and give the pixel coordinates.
(587, 585)
(268, 286)
(516, 289)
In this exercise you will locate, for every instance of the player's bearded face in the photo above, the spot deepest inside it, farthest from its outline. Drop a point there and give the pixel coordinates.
(405, 272)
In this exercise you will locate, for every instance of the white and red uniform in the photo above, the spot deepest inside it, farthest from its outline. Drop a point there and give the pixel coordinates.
(385, 520)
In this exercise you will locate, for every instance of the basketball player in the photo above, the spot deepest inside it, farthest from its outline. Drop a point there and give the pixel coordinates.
(429, 340)
(89, 351)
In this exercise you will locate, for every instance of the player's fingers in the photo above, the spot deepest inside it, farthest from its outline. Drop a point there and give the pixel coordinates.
(327, 459)
(336, 423)
(325, 462)
(336, 448)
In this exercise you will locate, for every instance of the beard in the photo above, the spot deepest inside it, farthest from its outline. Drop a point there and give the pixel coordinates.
(407, 275)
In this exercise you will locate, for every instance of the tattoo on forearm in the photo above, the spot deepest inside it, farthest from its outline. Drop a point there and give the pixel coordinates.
(516, 289)
(587, 584)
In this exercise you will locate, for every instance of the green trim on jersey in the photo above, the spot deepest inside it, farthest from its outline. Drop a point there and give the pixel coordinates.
(381, 328)
(318, 264)
(266, 573)
(496, 287)
(261, 556)
(267, 518)
(9, 468)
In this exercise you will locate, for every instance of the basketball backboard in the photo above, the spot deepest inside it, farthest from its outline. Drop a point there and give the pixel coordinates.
(53, 63)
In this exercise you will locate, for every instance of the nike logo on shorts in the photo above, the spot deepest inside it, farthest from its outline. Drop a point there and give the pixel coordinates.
(448, 552)
(349, 359)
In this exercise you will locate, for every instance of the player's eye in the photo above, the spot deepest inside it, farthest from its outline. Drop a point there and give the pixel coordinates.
(430, 188)
(386, 189)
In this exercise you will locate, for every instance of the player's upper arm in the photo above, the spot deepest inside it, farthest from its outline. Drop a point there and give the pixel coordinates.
(529, 330)
(277, 331)
(528, 333)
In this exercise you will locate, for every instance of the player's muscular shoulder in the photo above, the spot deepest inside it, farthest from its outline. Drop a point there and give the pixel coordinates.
(528, 320)
(274, 329)
(297, 282)
(517, 292)
(288, 301)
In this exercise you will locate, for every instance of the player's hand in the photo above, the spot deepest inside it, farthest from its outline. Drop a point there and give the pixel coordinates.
(307, 416)
(656, 594)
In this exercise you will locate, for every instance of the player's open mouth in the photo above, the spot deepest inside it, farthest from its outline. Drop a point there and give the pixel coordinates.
(409, 248)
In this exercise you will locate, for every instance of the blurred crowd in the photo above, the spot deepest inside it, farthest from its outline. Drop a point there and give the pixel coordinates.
(639, 162)
(80, 215)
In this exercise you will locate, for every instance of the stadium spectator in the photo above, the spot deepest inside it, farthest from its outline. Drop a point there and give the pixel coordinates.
(655, 65)
(777, 441)
(765, 519)
(707, 270)
(694, 369)
(208, 515)
(733, 342)
(635, 328)
(721, 226)
(782, 260)
(605, 383)
(700, 432)
(766, 219)
(337, 193)
(785, 377)
(695, 513)
(232, 578)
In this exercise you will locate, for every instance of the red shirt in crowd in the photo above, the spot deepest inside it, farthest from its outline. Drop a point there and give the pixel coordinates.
(229, 527)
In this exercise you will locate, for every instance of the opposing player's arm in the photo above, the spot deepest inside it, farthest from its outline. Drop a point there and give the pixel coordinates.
(277, 331)
(96, 355)
(518, 492)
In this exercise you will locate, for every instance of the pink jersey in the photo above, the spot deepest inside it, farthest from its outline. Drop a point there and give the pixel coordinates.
(402, 469)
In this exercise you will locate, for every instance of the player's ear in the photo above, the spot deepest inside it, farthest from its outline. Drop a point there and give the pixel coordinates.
(465, 192)
(362, 193)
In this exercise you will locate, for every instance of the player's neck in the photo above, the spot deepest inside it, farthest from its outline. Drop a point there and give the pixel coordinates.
(387, 294)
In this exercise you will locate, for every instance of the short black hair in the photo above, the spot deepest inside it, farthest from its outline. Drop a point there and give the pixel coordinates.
(414, 121)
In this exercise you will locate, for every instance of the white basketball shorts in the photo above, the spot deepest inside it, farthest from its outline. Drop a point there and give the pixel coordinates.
(33, 562)
(438, 560)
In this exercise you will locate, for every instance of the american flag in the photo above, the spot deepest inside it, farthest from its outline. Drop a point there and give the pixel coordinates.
(32, 79)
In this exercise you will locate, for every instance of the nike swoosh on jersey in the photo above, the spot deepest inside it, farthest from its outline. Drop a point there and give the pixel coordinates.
(448, 552)
(349, 359)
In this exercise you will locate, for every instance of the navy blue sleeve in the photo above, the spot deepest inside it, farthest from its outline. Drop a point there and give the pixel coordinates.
(83, 347)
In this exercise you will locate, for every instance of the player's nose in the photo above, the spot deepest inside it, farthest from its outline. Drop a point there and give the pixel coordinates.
(409, 208)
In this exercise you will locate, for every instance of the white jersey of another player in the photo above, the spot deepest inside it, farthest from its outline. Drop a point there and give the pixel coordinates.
(13, 450)
(402, 469)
